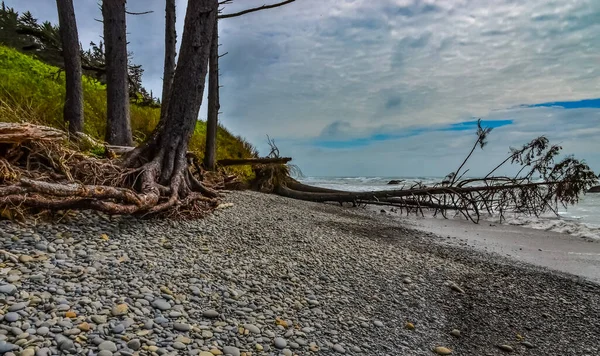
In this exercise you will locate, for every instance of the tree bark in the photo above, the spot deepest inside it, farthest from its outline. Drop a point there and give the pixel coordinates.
(170, 53)
(213, 102)
(118, 127)
(73, 110)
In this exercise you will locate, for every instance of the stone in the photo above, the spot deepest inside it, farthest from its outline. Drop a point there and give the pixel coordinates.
(409, 326)
(505, 348)
(182, 327)
(108, 346)
(98, 319)
(42, 331)
(455, 333)
(119, 310)
(230, 350)
(11, 317)
(105, 353)
(407, 280)
(18, 306)
(280, 342)
(339, 348)
(7, 347)
(9, 289)
(27, 352)
(210, 313)
(179, 345)
(440, 350)
(253, 328)
(378, 323)
(161, 304)
(527, 344)
(134, 344)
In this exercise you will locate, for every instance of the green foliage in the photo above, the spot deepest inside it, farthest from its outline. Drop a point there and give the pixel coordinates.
(32, 91)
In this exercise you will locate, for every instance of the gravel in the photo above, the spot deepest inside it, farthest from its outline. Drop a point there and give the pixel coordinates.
(269, 275)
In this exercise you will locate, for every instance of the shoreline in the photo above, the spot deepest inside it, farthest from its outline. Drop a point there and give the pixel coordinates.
(272, 276)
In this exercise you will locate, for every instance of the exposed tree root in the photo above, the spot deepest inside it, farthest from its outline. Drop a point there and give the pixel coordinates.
(41, 169)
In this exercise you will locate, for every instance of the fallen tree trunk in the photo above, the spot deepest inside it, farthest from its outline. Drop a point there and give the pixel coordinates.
(253, 161)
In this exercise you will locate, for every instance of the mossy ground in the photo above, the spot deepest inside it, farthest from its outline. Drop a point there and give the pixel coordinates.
(32, 91)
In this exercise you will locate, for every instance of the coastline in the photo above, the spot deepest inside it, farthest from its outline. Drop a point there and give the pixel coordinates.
(271, 276)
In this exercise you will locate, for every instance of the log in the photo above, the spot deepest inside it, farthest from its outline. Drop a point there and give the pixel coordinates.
(595, 189)
(253, 161)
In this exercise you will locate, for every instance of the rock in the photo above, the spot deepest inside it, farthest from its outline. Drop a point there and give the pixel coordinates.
(108, 346)
(527, 344)
(210, 313)
(456, 288)
(339, 348)
(253, 328)
(134, 344)
(378, 323)
(11, 317)
(18, 306)
(233, 351)
(179, 345)
(42, 331)
(409, 326)
(98, 319)
(505, 348)
(207, 334)
(182, 327)
(64, 344)
(25, 258)
(6, 347)
(9, 289)
(407, 280)
(395, 182)
(27, 352)
(455, 333)
(280, 342)
(119, 310)
(105, 353)
(205, 353)
(440, 350)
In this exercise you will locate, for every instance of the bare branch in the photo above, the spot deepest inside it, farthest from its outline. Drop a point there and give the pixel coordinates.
(264, 7)
(139, 13)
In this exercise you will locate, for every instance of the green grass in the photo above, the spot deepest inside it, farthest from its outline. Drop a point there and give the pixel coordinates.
(32, 91)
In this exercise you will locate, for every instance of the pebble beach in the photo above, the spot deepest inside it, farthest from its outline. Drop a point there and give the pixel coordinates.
(266, 275)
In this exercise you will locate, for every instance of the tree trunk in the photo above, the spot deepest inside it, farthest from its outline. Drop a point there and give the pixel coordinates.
(73, 110)
(118, 127)
(163, 156)
(170, 53)
(213, 102)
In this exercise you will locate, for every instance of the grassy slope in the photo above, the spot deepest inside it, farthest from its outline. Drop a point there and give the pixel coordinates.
(32, 91)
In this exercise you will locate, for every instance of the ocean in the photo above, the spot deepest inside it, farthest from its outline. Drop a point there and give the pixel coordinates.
(581, 220)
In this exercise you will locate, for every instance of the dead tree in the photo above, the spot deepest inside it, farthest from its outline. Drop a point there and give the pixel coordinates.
(210, 152)
(541, 185)
(170, 53)
(118, 127)
(73, 110)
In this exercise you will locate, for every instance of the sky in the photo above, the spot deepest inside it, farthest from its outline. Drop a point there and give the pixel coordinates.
(391, 87)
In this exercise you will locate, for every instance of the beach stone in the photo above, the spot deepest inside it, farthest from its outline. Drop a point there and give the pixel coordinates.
(527, 344)
(105, 353)
(455, 333)
(506, 348)
(42, 331)
(98, 319)
(253, 329)
(134, 344)
(7, 347)
(378, 323)
(233, 351)
(179, 345)
(210, 313)
(440, 350)
(108, 346)
(280, 342)
(161, 304)
(27, 352)
(11, 317)
(339, 348)
(407, 280)
(182, 327)
(9, 289)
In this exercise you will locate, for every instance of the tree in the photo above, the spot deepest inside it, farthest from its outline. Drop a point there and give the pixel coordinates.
(213, 102)
(73, 110)
(118, 127)
(212, 119)
(170, 53)
(161, 160)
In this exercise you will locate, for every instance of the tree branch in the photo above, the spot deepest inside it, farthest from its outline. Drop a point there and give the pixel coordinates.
(264, 7)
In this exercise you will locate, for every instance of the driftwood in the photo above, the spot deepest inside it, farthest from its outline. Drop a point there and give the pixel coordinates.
(540, 185)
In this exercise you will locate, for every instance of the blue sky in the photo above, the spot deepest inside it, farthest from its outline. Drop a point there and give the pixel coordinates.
(392, 87)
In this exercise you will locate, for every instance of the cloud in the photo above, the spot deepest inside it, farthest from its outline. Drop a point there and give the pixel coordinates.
(372, 70)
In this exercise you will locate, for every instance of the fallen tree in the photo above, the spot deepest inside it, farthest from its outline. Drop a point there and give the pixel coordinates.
(541, 185)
